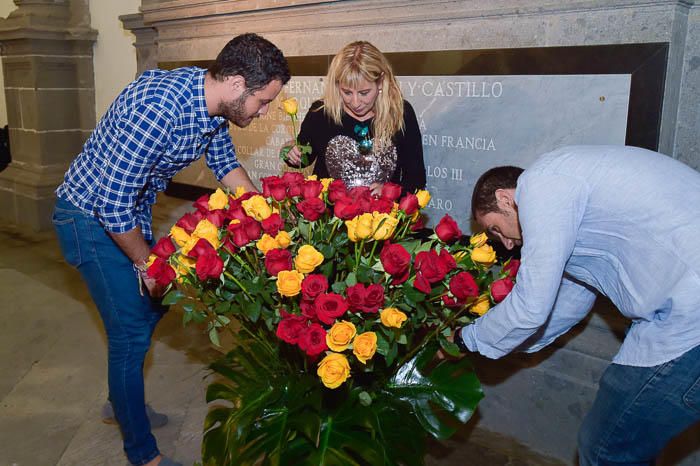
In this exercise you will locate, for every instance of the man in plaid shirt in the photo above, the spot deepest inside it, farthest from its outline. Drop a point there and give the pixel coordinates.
(158, 125)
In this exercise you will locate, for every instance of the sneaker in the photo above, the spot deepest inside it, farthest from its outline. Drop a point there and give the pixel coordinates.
(156, 419)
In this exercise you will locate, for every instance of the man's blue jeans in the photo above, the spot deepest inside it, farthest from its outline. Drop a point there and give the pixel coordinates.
(638, 410)
(129, 320)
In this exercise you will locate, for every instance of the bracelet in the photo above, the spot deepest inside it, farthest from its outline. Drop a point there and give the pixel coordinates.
(459, 341)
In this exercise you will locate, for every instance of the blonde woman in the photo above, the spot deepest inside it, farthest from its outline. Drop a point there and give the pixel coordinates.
(363, 132)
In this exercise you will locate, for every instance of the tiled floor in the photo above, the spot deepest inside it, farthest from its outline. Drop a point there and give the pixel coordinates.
(53, 371)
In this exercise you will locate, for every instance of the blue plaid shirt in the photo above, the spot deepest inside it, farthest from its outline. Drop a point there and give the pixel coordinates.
(157, 126)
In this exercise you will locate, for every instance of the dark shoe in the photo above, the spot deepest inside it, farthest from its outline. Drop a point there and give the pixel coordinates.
(165, 461)
(156, 419)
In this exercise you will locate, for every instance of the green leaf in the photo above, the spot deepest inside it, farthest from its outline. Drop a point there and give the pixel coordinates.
(449, 347)
(450, 389)
(173, 297)
(214, 337)
(365, 398)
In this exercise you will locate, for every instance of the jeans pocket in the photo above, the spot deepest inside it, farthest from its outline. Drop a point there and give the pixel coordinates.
(692, 397)
(67, 238)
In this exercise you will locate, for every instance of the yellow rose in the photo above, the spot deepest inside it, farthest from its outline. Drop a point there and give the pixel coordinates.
(351, 225)
(189, 245)
(364, 346)
(364, 229)
(150, 260)
(240, 190)
(266, 243)
(218, 200)
(289, 282)
(423, 198)
(290, 106)
(392, 317)
(312, 177)
(478, 240)
(208, 231)
(340, 335)
(257, 207)
(383, 226)
(334, 369)
(308, 258)
(183, 266)
(179, 235)
(283, 239)
(326, 182)
(481, 305)
(484, 255)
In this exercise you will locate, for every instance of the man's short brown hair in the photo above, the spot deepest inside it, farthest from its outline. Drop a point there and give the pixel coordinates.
(484, 195)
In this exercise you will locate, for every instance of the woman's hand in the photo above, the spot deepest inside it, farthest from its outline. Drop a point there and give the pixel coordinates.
(376, 188)
(294, 154)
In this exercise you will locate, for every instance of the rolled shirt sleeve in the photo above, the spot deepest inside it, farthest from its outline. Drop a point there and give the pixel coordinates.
(143, 134)
(221, 154)
(550, 213)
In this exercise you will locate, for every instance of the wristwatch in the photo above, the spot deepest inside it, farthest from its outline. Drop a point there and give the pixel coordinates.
(459, 341)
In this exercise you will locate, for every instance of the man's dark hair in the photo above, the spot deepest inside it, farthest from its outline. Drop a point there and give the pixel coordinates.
(257, 59)
(484, 195)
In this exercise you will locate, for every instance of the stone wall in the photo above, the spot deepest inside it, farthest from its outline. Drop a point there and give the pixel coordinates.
(539, 399)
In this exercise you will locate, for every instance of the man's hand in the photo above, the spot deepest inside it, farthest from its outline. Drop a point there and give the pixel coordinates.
(238, 177)
(153, 288)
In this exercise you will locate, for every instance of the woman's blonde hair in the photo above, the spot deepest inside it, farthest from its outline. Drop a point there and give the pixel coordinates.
(359, 61)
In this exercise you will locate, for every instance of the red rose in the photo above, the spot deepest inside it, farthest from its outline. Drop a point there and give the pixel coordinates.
(346, 208)
(216, 217)
(312, 209)
(246, 195)
(236, 212)
(189, 221)
(313, 285)
(400, 278)
(293, 181)
(381, 205)
(374, 298)
(201, 248)
(447, 229)
(290, 328)
(447, 261)
(161, 272)
(311, 189)
(252, 229)
(274, 187)
(237, 234)
(391, 191)
(419, 224)
(202, 204)
(512, 268)
(362, 196)
(313, 340)
(464, 286)
(428, 263)
(277, 260)
(272, 224)
(395, 259)
(421, 284)
(164, 247)
(229, 245)
(409, 204)
(336, 190)
(307, 309)
(209, 266)
(449, 301)
(501, 288)
(356, 296)
(330, 306)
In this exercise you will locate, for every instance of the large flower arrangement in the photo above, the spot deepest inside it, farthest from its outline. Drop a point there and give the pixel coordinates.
(339, 308)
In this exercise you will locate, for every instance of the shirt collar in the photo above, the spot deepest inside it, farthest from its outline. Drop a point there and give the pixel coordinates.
(207, 124)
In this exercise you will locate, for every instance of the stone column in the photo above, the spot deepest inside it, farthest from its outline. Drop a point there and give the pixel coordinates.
(50, 93)
(146, 49)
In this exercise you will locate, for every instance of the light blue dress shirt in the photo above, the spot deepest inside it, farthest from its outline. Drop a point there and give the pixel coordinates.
(621, 221)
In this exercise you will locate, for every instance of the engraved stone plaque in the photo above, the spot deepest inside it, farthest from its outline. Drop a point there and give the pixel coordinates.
(468, 124)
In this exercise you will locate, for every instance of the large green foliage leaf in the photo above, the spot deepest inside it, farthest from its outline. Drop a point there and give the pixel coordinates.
(449, 389)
